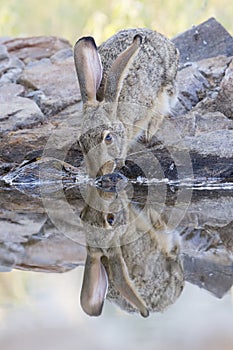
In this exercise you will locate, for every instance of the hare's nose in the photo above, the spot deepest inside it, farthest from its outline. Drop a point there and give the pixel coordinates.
(119, 163)
(106, 168)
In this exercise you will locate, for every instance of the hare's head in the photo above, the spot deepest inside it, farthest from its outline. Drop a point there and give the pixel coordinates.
(105, 219)
(103, 137)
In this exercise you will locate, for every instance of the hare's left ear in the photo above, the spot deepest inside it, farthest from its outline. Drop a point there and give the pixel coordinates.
(119, 70)
(95, 283)
(88, 67)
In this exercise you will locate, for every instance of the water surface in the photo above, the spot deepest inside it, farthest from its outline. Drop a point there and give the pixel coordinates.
(175, 238)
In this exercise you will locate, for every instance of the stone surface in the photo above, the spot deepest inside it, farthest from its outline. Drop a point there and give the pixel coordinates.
(212, 143)
(52, 83)
(224, 99)
(19, 113)
(39, 96)
(9, 91)
(10, 70)
(200, 80)
(195, 122)
(35, 48)
(39, 92)
(3, 53)
(214, 277)
(209, 39)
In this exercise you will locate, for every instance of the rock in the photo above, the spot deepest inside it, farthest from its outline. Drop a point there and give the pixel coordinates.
(218, 143)
(214, 69)
(226, 237)
(29, 98)
(209, 39)
(19, 113)
(3, 53)
(35, 48)
(192, 132)
(53, 83)
(223, 102)
(4, 60)
(192, 85)
(56, 254)
(214, 277)
(208, 133)
(35, 244)
(207, 258)
(198, 81)
(61, 55)
(62, 131)
(47, 90)
(18, 228)
(9, 91)
(10, 70)
(9, 254)
(211, 122)
(196, 122)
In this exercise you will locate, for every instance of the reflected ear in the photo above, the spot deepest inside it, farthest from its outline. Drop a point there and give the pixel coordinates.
(94, 288)
(119, 69)
(122, 283)
(88, 67)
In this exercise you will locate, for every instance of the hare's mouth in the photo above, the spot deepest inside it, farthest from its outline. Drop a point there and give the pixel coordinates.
(106, 168)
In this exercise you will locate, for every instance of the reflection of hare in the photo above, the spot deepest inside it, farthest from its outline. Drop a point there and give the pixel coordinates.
(130, 256)
(125, 92)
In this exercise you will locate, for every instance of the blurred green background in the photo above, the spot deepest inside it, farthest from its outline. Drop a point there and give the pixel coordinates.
(101, 18)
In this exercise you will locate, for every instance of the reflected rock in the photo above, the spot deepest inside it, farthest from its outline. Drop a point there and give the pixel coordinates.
(141, 262)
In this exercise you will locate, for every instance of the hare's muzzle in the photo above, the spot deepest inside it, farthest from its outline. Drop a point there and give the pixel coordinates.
(106, 168)
(97, 165)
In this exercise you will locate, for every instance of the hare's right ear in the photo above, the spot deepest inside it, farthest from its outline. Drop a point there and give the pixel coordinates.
(95, 283)
(119, 70)
(122, 283)
(88, 67)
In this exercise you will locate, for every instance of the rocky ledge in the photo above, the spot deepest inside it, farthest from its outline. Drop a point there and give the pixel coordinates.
(39, 93)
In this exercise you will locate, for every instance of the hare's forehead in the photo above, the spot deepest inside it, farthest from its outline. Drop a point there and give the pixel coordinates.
(100, 111)
(92, 135)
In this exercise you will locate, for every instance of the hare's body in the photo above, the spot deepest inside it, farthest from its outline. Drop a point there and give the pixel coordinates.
(156, 273)
(125, 92)
(133, 252)
(152, 258)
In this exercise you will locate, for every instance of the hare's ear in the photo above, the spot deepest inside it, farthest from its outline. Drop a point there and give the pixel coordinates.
(119, 69)
(88, 67)
(94, 288)
(121, 282)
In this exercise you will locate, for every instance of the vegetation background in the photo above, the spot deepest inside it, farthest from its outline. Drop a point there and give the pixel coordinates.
(102, 18)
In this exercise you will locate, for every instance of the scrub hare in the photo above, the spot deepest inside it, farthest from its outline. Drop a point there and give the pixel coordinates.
(131, 256)
(127, 86)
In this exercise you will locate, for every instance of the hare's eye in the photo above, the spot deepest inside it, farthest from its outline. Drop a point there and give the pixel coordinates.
(110, 219)
(108, 138)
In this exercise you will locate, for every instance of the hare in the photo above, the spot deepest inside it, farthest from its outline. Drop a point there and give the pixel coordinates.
(131, 257)
(127, 87)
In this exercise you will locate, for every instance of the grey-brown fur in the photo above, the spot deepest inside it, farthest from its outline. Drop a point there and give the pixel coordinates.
(156, 274)
(154, 67)
(139, 254)
(127, 92)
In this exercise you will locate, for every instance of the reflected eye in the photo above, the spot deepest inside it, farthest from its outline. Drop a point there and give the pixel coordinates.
(108, 137)
(110, 219)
